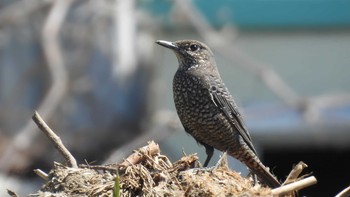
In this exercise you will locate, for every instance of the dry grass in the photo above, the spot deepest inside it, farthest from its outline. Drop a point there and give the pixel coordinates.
(146, 172)
(152, 174)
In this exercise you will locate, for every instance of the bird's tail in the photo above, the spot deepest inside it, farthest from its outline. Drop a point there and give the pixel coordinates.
(250, 159)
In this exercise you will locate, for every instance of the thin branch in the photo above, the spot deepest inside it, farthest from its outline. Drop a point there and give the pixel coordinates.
(294, 174)
(41, 174)
(344, 193)
(55, 139)
(111, 167)
(294, 186)
(223, 162)
(138, 156)
(12, 193)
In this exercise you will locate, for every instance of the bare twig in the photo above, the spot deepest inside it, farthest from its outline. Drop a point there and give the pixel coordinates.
(294, 174)
(295, 186)
(111, 167)
(56, 140)
(151, 149)
(344, 193)
(223, 162)
(12, 193)
(41, 174)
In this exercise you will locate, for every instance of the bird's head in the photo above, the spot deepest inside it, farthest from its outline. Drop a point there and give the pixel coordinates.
(191, 54)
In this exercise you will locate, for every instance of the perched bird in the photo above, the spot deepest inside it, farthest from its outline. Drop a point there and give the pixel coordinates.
(207, 110)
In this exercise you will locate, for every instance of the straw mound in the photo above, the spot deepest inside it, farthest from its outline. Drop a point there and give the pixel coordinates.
(148, 173)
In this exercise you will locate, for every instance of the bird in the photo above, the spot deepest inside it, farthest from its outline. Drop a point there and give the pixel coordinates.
(208, 111)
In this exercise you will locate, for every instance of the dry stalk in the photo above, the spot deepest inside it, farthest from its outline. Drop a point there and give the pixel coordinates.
(344, 193)
(137, 157)
(55, 139)
(41, 174)
(294, 174)
(289, 188)
(11, 193)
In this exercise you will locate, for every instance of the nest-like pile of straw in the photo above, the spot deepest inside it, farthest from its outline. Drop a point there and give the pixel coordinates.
(148, 173)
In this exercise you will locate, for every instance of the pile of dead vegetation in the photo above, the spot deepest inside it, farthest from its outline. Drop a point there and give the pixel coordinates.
(147, 172)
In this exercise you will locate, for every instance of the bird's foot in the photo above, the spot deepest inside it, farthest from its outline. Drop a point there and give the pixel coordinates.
(222, 163)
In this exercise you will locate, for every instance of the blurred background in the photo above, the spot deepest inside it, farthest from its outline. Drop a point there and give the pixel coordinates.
(92, 70)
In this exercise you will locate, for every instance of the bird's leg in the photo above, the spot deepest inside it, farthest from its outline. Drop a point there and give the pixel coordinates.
(210, 151)
(221, 163)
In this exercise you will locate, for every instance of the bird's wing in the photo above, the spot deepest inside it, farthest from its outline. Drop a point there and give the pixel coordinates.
(226, 103)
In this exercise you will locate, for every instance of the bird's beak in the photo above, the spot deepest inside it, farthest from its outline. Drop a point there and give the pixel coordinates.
(167, 44)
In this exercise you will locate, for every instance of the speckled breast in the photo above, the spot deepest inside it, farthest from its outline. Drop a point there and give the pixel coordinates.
(199, 114)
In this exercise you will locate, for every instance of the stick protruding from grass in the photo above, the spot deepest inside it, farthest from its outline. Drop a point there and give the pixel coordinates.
(71, 162)
(298, 185)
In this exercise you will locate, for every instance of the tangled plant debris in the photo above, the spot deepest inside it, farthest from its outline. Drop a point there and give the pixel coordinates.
(147, 172)
(150, 174)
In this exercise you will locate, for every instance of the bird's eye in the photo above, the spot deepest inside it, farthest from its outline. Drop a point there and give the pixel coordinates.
(194, 47)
